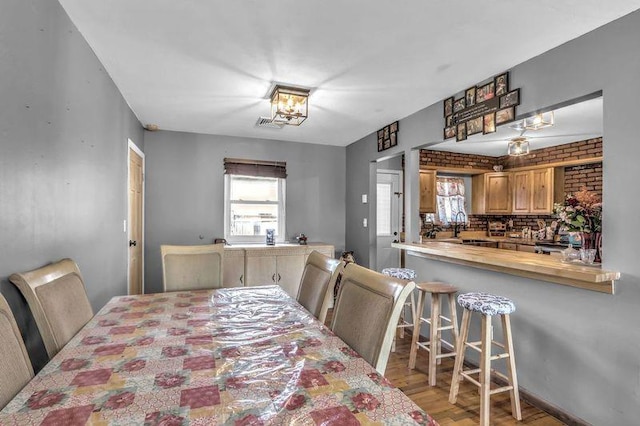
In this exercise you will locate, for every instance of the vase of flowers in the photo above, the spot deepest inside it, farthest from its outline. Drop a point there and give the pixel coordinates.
(582, 213)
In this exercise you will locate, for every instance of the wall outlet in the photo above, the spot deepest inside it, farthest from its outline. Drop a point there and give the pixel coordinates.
(364, 198)
(364, 222)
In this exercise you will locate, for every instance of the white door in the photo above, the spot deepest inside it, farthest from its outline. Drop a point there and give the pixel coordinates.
(388, 214)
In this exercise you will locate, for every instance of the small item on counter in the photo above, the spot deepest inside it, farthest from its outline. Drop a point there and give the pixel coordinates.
(302, 239)
(570, 254)
(271, 237)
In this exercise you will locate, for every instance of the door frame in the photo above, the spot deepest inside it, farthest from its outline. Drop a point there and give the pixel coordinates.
(400, 200)
(132, 146)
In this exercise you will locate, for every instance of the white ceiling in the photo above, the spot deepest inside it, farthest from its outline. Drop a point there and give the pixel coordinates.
(207, 66)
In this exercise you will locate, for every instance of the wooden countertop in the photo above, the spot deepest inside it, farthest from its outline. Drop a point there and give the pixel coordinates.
(529, 265)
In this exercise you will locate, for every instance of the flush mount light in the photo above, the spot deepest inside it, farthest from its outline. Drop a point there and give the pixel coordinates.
(535, 122)
(518, 146)
(289, 105)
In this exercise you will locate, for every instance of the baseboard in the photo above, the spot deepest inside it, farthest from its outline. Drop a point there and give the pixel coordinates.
(530, 397)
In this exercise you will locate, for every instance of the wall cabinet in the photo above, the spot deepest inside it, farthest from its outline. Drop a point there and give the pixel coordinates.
(269, 265)
(427, 191)
(533, 191)
(520, 192)
(491, 193)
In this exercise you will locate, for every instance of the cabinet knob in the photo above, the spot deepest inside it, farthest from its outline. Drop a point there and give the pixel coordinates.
(273, 278)
(241, 277)
(279, 277)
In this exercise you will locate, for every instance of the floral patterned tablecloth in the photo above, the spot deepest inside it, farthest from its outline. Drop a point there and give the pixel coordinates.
(244, 356)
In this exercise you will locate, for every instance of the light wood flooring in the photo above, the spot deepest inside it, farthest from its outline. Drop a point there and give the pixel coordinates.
(435, 400)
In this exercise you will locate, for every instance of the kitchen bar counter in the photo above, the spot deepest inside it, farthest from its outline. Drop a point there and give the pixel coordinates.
(529, 265)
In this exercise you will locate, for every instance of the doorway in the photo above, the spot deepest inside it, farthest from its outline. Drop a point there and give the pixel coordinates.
(389, 212)
(135, 190)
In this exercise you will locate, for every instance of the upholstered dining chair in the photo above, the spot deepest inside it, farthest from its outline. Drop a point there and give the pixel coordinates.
(316, 285)
(192, 267)
(15, 365)
(58, 301)
(367, 310)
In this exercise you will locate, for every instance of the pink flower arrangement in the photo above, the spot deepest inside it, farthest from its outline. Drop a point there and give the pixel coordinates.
(581, 212)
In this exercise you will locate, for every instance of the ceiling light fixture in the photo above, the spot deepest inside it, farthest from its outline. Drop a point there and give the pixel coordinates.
(289, 105)
(535, 122)
(518, 146)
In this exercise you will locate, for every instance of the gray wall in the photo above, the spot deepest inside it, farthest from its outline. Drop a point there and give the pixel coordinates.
(185, 192)
(63, 157)
(577, 349)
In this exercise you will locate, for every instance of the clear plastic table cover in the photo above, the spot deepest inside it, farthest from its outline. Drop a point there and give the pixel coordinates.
(243, 356)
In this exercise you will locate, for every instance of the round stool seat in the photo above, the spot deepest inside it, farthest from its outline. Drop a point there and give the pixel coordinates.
(487, 304)
(436, 287)
(400, 273)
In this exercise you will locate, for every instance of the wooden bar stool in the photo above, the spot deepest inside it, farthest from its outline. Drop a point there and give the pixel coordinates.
(408, 275)
(434, 345)
(486, 305)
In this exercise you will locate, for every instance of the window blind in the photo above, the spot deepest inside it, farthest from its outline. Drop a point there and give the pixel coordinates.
(239, 166)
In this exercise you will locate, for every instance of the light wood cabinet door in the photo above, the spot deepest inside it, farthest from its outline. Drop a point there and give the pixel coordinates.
(542, 191)
(428, 191)
(526, 248)
(497, 193)
(260, 269)
(289, 272)
(233, 268)
(507, 246)
(521, 191)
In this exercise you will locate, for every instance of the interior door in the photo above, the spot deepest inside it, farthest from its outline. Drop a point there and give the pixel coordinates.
(389, 203)
(136, 196)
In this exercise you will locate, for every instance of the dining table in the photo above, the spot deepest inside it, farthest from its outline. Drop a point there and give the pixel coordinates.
(231, 356)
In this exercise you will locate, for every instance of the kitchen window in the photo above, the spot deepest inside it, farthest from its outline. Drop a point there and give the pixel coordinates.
(254, 195)
(450, 200)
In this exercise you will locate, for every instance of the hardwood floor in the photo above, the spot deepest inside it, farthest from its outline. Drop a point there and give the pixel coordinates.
(435, 400)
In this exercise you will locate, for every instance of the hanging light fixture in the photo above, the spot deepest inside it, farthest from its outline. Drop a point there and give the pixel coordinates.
(518, 146)
(289, 105)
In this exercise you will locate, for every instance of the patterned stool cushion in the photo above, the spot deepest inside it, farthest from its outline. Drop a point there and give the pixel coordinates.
(401, 273)
(486, 304)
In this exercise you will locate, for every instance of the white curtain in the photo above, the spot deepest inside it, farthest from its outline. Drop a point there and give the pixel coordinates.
(450, 200)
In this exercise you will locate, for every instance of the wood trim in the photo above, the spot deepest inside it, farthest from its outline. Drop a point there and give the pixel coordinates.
(577, 162)
(458, 170)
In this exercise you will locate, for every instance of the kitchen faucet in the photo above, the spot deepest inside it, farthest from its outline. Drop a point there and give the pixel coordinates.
(456, 224)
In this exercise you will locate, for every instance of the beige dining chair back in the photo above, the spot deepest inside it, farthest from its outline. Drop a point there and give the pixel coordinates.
(58, 301)
(192, 267)
(367, 310)
(316, 285)
(15, 366)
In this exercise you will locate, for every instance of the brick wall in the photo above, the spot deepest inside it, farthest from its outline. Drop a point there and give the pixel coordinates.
(589, 175)
(453, 159)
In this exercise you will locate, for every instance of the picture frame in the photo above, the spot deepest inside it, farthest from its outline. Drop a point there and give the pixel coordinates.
(448, 106)
(449, 132)
(394, 139)
(510, 99)
(380, 134)
(380, 144)
(474, 126)
(448, 120)
(386, 144)
(486, 92)
(505, 115)
(461, 132)
(459, 105)
(386, 133)
(393, 127)
(489, 123)
(470, 96)
(502, 84)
